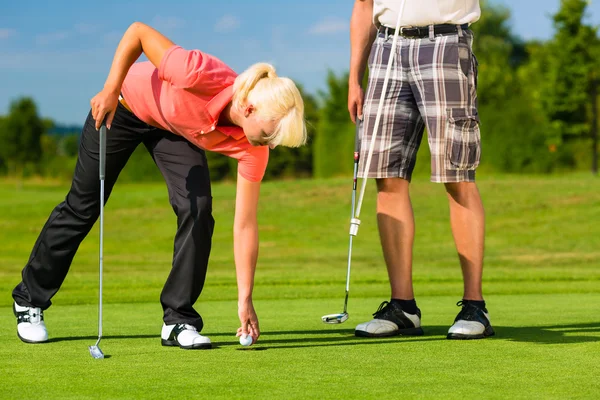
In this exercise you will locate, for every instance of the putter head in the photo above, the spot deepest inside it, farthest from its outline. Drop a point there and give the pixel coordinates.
(335, 318)
(96, 352)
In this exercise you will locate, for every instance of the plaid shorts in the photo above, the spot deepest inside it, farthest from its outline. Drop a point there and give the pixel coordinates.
(432, 84)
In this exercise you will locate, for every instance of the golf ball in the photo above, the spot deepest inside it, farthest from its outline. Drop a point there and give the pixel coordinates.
(245, 340)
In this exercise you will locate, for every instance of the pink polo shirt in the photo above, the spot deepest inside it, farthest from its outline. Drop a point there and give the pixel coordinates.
(185, 95)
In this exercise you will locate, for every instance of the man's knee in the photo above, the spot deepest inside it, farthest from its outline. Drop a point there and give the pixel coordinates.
(392, 185)
(461, 191)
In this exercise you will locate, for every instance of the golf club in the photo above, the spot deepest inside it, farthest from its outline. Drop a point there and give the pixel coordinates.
(343, 316)
(95, 349)
(355, 220)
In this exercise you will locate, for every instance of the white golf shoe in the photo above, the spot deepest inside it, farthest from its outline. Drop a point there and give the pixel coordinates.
(30, 324)
(391, 320)
(185, 336)
(472, 322)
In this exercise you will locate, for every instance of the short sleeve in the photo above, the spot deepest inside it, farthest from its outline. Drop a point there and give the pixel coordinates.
(193, 69)
(253, 164)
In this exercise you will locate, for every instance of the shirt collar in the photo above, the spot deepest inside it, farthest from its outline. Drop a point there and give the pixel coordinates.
(216, 106)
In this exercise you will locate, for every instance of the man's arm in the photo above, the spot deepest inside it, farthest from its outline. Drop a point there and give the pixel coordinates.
(362, 35)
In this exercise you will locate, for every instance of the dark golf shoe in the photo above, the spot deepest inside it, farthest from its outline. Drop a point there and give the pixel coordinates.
(390, 320)
(472, 322)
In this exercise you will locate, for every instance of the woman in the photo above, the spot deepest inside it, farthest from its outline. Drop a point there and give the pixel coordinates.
(178, 104)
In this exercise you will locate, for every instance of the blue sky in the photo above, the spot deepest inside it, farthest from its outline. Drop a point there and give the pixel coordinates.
(59, 52)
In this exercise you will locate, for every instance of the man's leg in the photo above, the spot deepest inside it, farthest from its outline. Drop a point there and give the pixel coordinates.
(444, 83)
(467, 220)
(396, 225)
(394, 157)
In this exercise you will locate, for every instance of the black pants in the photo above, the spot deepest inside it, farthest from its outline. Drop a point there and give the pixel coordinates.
(185, 171)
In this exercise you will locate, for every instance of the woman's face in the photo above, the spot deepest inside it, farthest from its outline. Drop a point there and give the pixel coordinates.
(257, 130)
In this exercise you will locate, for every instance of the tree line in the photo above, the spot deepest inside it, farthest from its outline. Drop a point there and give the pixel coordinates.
(537, 104)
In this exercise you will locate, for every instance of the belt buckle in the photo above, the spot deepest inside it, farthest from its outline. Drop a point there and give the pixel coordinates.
(406, 28)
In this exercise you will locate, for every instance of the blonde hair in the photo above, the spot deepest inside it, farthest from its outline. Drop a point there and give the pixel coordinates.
(275, 99)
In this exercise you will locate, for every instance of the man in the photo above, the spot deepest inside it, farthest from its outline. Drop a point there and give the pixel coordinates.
(432, 84)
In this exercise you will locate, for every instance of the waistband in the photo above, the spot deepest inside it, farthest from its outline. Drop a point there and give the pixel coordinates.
(424, 31)
(124, 103)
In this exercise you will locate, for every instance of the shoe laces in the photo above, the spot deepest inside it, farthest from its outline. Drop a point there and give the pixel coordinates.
(382, 307)
(33, 315)
(469, 311)
(189, 327)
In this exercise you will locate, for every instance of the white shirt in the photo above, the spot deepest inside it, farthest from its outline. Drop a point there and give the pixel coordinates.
(425, 12)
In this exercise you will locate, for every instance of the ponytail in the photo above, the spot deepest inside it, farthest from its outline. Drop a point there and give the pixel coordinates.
(246, 81)
(275, 99)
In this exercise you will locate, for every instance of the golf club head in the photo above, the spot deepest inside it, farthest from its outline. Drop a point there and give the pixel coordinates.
(96, 352)
(335, 318)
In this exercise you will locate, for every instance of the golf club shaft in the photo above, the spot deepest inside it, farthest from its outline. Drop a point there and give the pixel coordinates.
(355, 221)
(346, 302)
(348, 273)
(379, 111)
(354, 184)
(351, 236)
(100, 270)
(102, 170)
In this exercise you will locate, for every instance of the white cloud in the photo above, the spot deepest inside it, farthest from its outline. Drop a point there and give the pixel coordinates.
(46, 38)
(227, 23)
(86, 29)
(5, 33)
(328, 26)
(167, 23)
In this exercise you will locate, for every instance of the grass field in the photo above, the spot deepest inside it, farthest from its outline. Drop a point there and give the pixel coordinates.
(541, 280)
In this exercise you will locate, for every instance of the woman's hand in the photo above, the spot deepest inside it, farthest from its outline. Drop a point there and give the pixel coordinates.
(248, 320)
(139, 38)
(104, 105)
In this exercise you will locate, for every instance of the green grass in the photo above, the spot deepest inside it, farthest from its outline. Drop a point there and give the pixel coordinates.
(542, 286)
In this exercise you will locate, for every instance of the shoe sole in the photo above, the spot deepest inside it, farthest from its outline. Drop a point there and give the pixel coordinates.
(489, 331)
(400, 332)
(198, 346)
(31, 341)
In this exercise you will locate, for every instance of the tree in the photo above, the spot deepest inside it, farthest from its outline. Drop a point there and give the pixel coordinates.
(566, 94)
(499, 53)
(20, 135)
(513, 135)
(2, 127)
(594, 124)
(334, 144)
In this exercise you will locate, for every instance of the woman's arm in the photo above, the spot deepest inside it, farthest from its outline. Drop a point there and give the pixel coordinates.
(139, 38)
(245, 248)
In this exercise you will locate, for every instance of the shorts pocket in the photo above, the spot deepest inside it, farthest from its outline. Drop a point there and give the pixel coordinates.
(463, 139)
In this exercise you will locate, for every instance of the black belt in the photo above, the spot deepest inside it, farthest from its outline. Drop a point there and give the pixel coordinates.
(423, 31)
